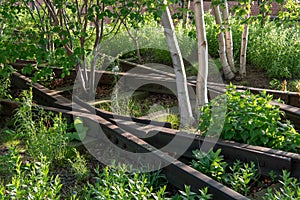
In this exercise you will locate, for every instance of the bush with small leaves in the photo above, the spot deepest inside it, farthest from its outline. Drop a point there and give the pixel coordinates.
(252, 119)
(210, 163)
(31, 181)
(290, 189)
(241, 176)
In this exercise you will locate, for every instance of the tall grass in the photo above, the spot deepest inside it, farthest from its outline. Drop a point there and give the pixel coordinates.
(272, 47)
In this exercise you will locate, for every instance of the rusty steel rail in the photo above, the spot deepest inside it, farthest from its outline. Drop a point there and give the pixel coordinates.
(292, 113)
(177, 173)
(289, 98)
(267, 159)
(49, 97)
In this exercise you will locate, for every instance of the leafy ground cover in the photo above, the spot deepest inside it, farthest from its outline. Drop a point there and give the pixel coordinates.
(38, 161)
(244, 177)
(251, 119)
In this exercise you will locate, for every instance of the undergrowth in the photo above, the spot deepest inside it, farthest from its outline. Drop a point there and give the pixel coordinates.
(241, 177)
(34, 167)
(252, 119)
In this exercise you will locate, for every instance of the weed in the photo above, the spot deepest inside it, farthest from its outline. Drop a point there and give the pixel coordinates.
(273, 176)
(189, 195)
(174, 120)
(31, 181)
(46, 137)
(241, 176)
(5, 73)
(79, 166)
(211, 164)
(23, 119)
(116, 183)
(290, 189)
(49, 141)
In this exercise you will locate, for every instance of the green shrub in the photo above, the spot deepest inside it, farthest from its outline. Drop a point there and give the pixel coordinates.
(253, 120)
(31, 181)
(272, 47)
(46, 136)
(275, 49)
(239, 176)
(211, 163)
(116, 183)
(290, 189)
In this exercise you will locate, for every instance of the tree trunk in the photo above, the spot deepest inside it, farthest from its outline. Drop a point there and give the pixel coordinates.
(228, 37)
(135, 40)
(185, 16)
(244, 51)
(92, 88)
(2, 26)
(201, 86)
(228, 74)
(186, 115)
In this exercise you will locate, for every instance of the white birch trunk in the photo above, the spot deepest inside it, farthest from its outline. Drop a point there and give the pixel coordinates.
(201, 86)
(2, 26)
(228, 37)
(186, 115)
(92, 89)
(186, 5)
(228, 74)
(243, 54)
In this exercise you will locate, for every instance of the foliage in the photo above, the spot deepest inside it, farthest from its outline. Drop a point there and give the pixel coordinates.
(31, 181)
(152, 43)
(251, 119)
(211, 163)
(291, 85)
(239, 176)
(5, 73)
(79, 166)
(290, 189)
(46, 137)
(116, 183)
(20, 38)
(275, 49)
(290, 13)
(81, 130)
(189, 195)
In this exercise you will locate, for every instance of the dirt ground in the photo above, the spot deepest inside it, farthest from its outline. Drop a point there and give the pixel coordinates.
(254, 78)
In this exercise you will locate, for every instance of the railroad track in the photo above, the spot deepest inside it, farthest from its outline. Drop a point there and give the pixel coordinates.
(126, 135)
(150, 76)
(267, 159)
(177, 173)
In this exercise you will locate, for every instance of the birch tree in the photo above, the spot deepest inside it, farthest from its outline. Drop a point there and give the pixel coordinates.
(185, 17)
(77, 28)
(243, 54)
(186, 115)
(228, 36)
(245, 9)
(201, 86)
(228, 73)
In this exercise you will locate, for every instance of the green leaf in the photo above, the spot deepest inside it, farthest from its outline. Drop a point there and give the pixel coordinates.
(80, 128)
